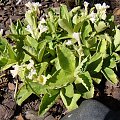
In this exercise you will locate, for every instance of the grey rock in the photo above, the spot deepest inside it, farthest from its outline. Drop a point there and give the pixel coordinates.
(88, 110)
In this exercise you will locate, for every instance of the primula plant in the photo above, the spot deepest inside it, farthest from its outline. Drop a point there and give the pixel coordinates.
(62, 55)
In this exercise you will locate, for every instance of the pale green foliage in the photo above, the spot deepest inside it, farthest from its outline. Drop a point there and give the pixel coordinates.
(62, 56)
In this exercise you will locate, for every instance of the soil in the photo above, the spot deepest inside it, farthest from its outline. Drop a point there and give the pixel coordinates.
(105, 92)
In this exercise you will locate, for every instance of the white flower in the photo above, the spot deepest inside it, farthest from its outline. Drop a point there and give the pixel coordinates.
(30, 65)
(92, 16)
(29, 5)
(76, 36)
(41, 26)
(86, 7)
(15, 71)
(33, 5)
(30, 29)
(32, 73)
(104, 6)
(86, 4)
(98, 7)
(36, 4)
(69, 42)
(101, 10)
(1, 32)
(42, 21)
(42, 79)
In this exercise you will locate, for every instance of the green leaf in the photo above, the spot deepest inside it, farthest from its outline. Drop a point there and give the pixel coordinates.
(73, 105)
(77, 26)
(10, 51)
(101, 26)
(81, 67)
(31, 18)
(89, 94)
(117, 38)
(112, 63)
(30, 41)
(70, 103)
(90, 42)
(6, 63)
(75, 18)
(13, 28)
(84, 85)
(102, 46)
(108, 38)
(37, 88)
(86, 30)
(30, 51)
(95, 63)
(12, 54)
(53, 92)
(65, 25)
(26, 90)
(97, 77)
(3, 61)
(16, 38)
(60, 79)
(26, 58)
(86, 80)
(51, 14)
(118, 48)
(64, 14)
(51, 26)
(19, 27)
(56, 63)
(23, 93)
(116, 56)
(43, 67)
(110, 75)
(69, 91)
(74, 11)
(66, 59)
(41, 50)
(47, 102)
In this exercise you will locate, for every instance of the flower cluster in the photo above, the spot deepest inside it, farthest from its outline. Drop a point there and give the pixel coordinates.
(101, 10)
(100, 14)
(30, 71)
(42, 26)
(33, 6)
(34, 29)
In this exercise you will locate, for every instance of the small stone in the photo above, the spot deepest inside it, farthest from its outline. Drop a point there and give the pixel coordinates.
(11, 86)
(19, 117)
